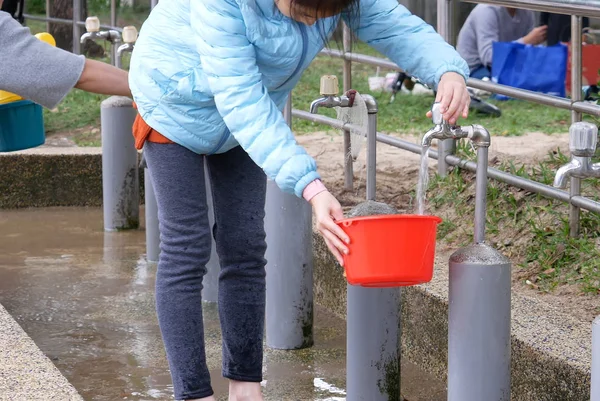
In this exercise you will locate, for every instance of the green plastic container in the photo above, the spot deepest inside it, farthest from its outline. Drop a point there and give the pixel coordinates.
(21, 126)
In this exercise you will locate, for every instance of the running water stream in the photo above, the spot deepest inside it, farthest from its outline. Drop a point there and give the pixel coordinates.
(423, 182)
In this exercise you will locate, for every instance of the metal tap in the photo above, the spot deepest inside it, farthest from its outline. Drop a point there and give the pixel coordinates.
(130, 35)
(92, 26)
(442, 130)
(583, 140)
(329, 91)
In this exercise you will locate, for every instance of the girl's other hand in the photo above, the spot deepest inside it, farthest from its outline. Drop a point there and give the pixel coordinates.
(453, 97)
(327, 210)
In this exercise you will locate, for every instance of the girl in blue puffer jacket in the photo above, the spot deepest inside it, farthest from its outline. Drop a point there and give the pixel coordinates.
(210, 79)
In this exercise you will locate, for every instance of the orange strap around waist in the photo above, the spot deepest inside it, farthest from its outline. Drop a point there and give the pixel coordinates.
(142, 132)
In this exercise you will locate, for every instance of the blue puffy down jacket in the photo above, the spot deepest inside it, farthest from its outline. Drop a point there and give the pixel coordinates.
(214, 74)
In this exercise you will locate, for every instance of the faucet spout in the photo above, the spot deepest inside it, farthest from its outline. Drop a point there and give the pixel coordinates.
(430, 135)
(329, 102)
(127, 47)
(571, 169)
(88, 36)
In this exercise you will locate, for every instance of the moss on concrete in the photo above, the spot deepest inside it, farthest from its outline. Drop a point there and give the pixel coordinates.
(42, 180)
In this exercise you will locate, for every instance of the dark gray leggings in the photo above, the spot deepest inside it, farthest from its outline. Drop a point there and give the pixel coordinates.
(238, 187)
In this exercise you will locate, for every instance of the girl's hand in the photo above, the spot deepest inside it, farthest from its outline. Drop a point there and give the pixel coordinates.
(453, 97)
(327, 210)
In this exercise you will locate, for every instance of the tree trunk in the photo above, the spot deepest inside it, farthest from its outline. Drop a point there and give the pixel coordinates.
(63, 34)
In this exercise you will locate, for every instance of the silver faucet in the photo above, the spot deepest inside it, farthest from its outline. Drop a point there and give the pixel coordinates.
(330, 98)
(329, 91)
(130, 35)
(583, 139)
(442, 130)
(92, 26)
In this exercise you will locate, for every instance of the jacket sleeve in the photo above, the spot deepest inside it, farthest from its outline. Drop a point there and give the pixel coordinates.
(229, 62)
(407, 40)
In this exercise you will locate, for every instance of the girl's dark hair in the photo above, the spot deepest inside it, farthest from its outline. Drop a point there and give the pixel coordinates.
(334, 8)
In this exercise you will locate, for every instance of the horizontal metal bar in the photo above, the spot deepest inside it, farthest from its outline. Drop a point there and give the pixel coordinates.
(66, 22)
(516, 181)
(584, 8)
(319, 119)
(534, 97)
(361, 58)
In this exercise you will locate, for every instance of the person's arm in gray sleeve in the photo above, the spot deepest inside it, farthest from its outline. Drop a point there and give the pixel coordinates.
(487, 32)
(45, 74)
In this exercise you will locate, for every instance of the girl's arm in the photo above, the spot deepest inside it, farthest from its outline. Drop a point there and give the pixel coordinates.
(407, 40)
(229, 61)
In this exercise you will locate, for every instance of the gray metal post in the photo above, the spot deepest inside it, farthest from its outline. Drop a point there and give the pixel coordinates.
(595, 392)
(373, 344)
(48, 3)
(481, 182)
(287, 111)
(479, 308)
(210, 283)
(347, 78)
(373, 317)
(120, 177)
(288, 224)
(479, 325)
(444, 24)
(372, 156)
(151, 213)
(576, 71)
(76, 27)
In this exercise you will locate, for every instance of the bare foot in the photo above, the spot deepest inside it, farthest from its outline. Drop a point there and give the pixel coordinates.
(244, 391)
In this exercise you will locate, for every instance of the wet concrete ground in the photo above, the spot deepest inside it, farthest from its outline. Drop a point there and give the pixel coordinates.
(86, 299)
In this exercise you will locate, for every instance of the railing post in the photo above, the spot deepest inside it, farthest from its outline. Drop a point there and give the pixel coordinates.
(576, 70)
(76, 29)
(444, 25)
(347, 78)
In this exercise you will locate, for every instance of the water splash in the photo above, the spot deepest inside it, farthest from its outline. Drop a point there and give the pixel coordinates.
(423, 183)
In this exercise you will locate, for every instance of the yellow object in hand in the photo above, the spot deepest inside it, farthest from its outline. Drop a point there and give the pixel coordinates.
(7, 97)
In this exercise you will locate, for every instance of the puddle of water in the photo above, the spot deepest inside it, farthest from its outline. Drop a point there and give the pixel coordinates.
(86, 297)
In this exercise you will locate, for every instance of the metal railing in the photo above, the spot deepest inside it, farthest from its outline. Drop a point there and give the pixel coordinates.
(576, 105)
(76, 22)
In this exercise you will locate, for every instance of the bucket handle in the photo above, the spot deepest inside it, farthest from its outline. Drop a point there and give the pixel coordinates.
(348, 223)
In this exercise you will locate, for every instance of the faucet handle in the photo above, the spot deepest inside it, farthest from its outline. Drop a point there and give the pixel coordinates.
(329, 85)
(92, 24)
(130, 34)
(583, 139)
(436, 114)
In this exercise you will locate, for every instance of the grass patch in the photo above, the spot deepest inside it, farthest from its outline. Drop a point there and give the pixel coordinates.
(79, 110)
(531, 230)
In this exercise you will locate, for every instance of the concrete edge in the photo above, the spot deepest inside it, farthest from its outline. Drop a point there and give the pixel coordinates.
(50, 176)
(25, 372)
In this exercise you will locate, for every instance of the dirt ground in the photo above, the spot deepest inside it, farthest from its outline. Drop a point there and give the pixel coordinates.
(397, 174)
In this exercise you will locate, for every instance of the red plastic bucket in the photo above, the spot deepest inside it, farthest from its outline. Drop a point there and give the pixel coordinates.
(390, 251)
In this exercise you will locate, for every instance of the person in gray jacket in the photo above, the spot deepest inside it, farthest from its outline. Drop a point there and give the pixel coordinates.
(488, 24)
(45, 74)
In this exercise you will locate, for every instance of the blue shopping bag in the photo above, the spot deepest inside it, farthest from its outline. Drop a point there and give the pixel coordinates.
(535, 68)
